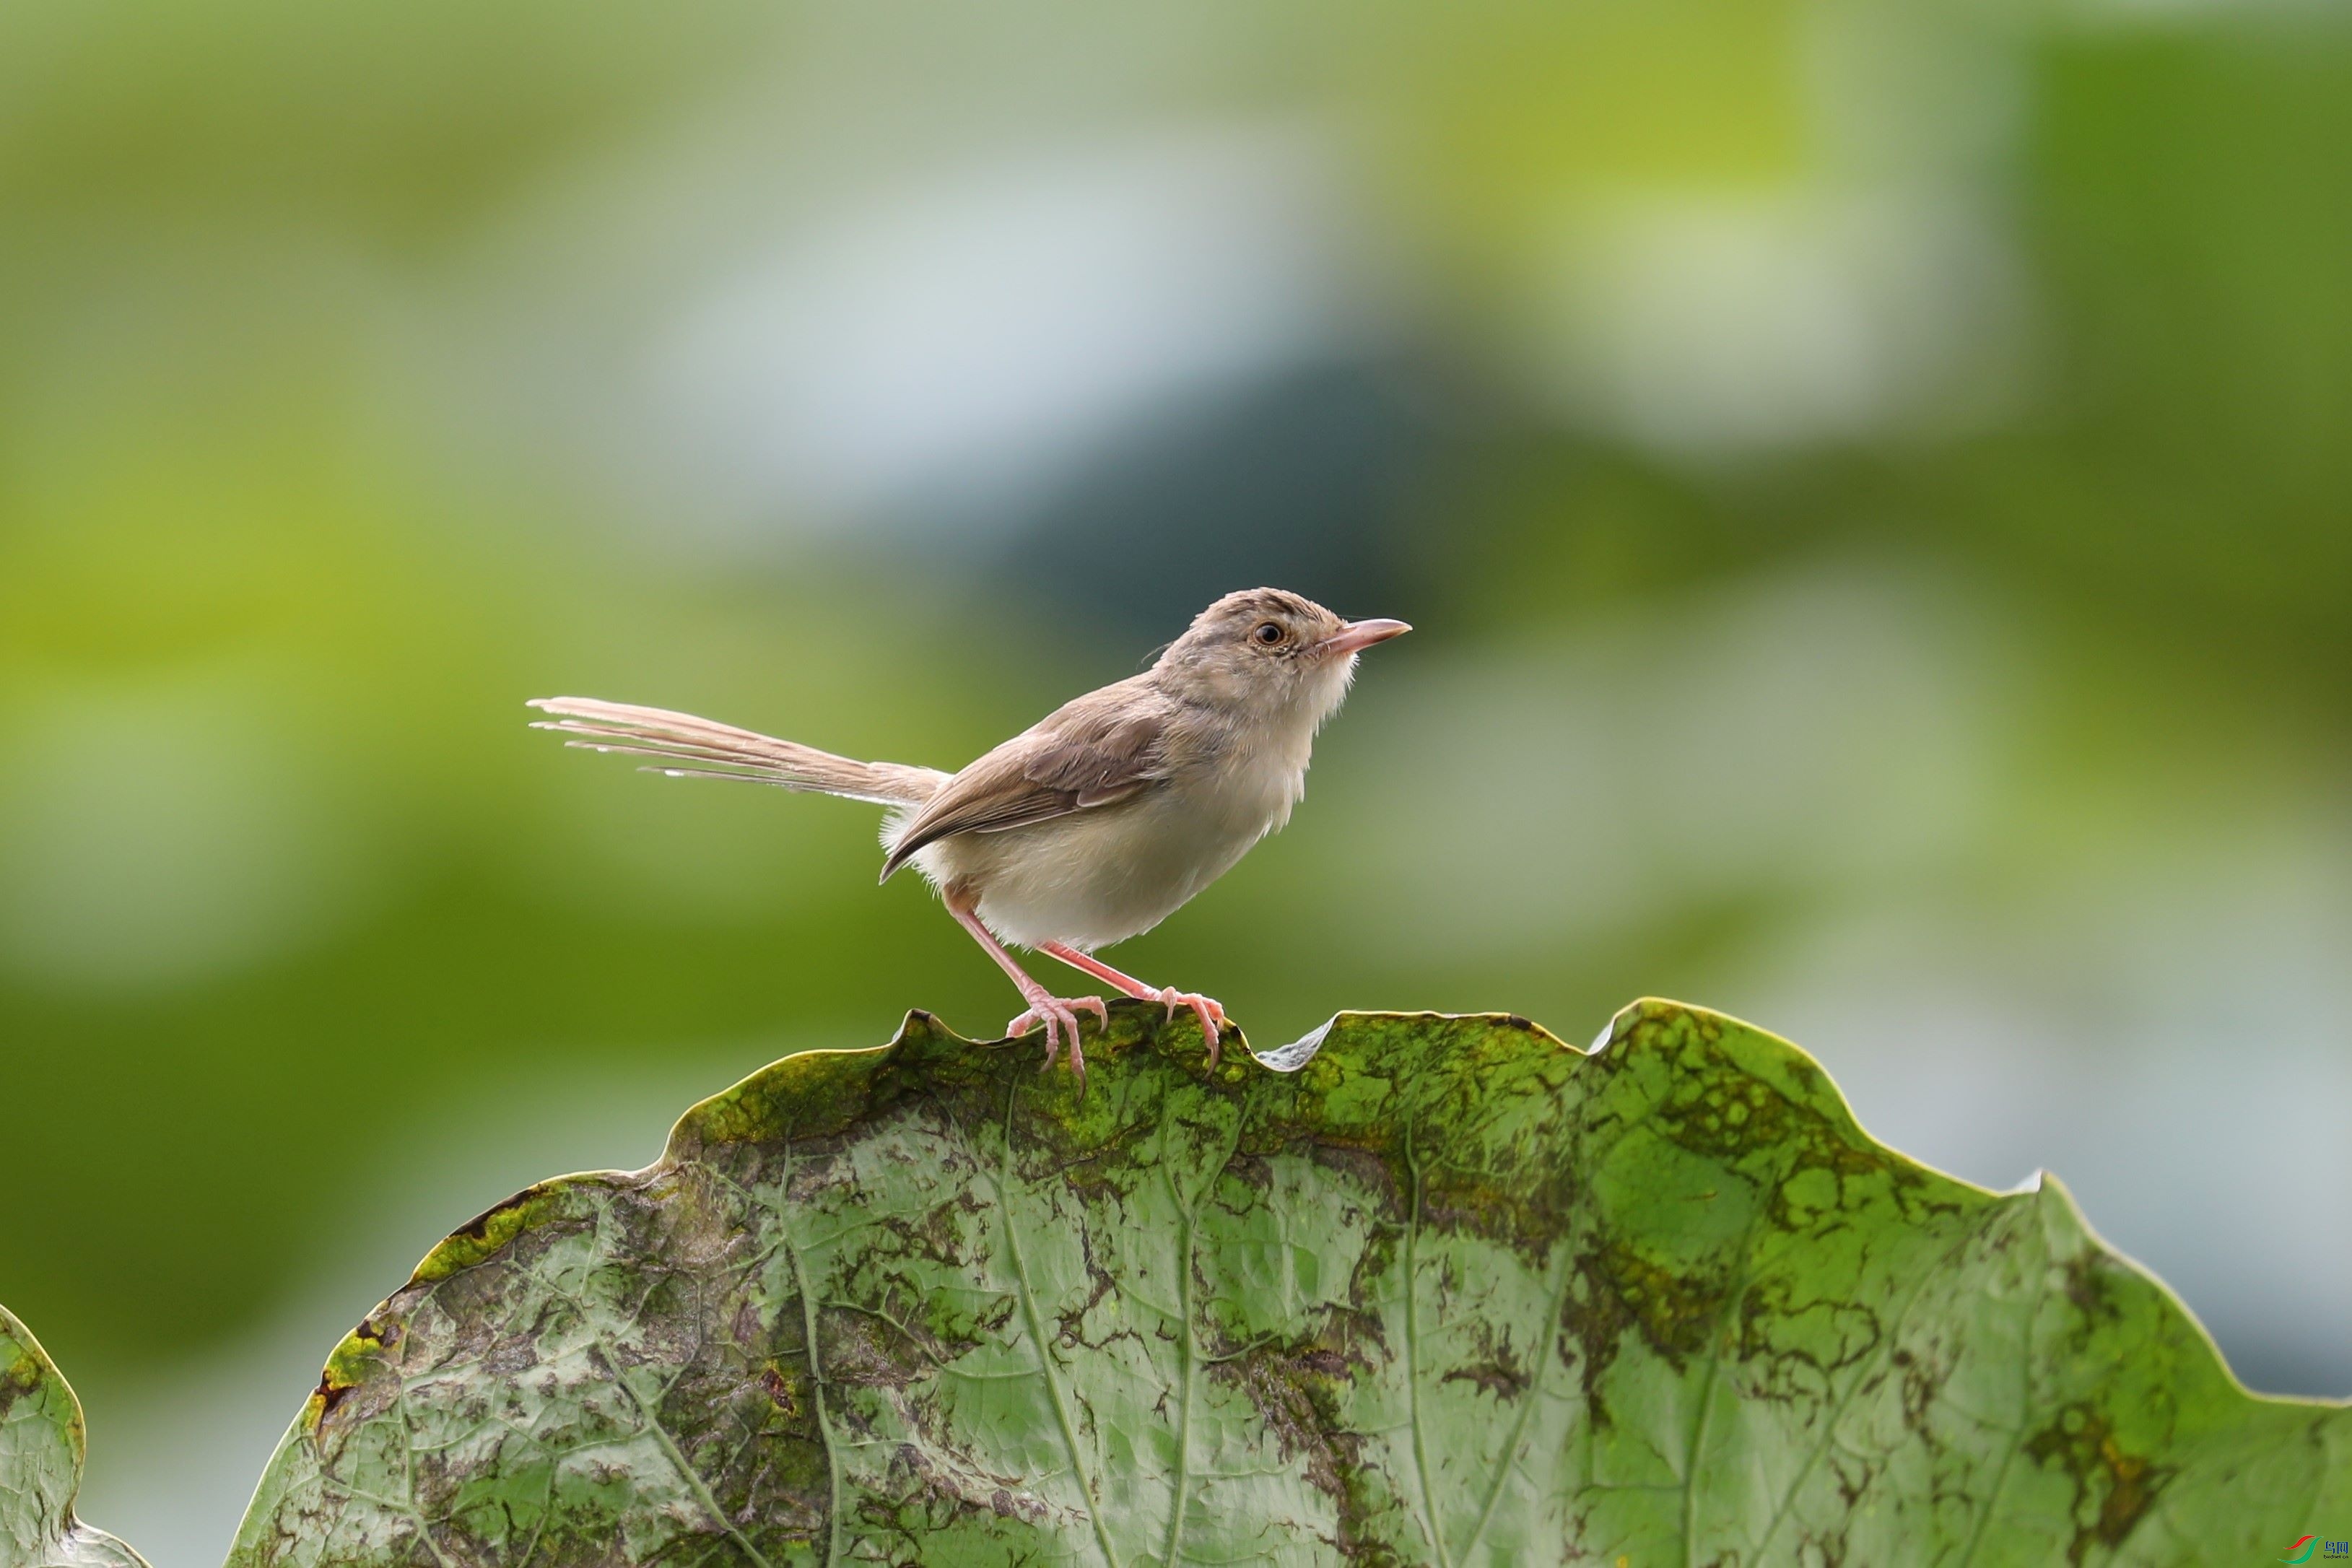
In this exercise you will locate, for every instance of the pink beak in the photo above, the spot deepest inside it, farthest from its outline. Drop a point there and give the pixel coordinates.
(1358, 635)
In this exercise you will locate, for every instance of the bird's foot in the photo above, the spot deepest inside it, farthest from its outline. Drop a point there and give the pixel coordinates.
(1205, 1009)
(1058, 1014)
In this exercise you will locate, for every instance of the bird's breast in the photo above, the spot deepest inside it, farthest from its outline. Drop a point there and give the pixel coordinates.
(1103, 875)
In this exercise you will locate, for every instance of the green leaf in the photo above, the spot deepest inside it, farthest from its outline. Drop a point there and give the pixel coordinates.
(1449, 1292)
(41, 1448)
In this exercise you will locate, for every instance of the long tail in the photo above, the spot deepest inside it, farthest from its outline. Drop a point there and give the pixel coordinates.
(689, 747)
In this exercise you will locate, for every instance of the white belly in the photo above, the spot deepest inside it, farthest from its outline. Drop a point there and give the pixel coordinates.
(1102, 874)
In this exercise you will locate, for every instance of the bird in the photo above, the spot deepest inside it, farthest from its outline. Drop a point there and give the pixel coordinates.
(1093, 824)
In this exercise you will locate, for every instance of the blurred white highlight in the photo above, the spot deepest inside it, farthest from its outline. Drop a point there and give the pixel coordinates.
(952, 341)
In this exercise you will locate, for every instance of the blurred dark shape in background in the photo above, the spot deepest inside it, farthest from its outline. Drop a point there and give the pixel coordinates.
(1305, 481)
(1870, 482)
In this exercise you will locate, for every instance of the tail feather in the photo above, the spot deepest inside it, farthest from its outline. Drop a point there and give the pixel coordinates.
(729, 753)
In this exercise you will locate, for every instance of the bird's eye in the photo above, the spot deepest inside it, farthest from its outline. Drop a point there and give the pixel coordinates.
(1269, 632)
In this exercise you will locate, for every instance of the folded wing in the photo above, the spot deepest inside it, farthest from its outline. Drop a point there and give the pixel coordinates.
(1092, 753)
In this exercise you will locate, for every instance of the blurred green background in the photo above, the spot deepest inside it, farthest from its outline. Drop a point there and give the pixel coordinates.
(1871, 481)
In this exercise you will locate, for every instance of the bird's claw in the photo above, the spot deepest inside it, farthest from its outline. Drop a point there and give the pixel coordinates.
(1205, 1009)
(1058, 1013)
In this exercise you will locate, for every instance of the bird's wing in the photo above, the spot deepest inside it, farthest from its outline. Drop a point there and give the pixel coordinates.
(1099, 749)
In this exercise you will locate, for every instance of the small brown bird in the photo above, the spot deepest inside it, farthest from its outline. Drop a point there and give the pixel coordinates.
(1094, 824)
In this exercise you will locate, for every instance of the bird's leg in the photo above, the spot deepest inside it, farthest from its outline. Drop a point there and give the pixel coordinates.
(1212, 1016)
(1056, 1013)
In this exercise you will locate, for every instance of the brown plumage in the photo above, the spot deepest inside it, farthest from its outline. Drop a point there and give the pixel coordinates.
(1095, 752)
(1096, 823)
(724, 752)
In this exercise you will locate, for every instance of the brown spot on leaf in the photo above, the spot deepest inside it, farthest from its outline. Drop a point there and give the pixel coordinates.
(330, 1393)
(2112, 1488)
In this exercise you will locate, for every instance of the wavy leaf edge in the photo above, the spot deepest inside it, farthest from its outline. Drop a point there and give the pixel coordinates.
(818, 1094)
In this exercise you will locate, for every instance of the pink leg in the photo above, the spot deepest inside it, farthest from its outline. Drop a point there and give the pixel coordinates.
(1056, 1014)
(1212, 1016)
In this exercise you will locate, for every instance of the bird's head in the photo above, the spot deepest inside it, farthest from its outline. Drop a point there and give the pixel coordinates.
(1270, 653)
